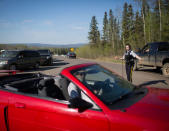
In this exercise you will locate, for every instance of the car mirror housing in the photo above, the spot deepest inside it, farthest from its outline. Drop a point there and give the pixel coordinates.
(79, 103)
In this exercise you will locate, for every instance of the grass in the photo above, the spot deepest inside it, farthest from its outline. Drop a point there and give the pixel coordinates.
(114, 59)
(106, 59)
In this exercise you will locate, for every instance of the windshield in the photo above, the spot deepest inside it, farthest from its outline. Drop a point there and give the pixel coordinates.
(44, 52)
(9, 54)
(107, 86)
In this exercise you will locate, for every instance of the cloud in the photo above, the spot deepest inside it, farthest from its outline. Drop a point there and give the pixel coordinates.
(27, 21)
(48, 22)
(4, 23)
(78, 28)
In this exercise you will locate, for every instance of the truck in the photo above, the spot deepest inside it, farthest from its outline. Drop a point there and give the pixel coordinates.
(154, 54)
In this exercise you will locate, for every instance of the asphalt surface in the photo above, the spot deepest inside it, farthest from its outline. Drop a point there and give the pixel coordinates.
(145, 77)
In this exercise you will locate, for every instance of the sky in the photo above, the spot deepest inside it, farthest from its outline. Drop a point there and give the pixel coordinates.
(52, 21)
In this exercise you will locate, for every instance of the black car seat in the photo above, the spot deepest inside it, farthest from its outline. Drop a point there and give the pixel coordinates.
(48, 88)
(64, 86)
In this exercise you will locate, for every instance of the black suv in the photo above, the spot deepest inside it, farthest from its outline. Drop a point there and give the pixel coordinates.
(46, 57)
(15, 59)
(71, 55)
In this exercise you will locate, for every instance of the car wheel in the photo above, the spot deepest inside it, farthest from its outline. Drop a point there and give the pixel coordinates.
(12, 67)
(158, 68)
(37, 65)
(165, 69)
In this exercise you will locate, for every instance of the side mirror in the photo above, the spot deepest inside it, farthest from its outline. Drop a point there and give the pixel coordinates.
(79, 103)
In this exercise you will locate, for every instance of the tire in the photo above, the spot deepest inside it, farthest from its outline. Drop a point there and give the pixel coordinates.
(36, 65)
(165, 69)
(158, 68)
(12, 67)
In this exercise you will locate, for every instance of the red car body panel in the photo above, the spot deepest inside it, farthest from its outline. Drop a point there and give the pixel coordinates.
(25, 112)
(4, 96)
(151, 112)
(42, 115)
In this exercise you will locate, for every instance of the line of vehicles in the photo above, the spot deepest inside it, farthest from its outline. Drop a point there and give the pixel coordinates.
(17, 59)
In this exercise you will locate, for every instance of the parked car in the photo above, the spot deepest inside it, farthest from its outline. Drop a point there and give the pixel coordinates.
(71, 55)
(155, 55)
(37, 102)
(16, 59)
(46, 57)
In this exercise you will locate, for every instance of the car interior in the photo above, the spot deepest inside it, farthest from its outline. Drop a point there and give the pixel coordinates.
(42, 86)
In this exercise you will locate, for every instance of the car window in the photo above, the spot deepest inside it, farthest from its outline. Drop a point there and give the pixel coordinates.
(84, 96)
(34, 54)
(146, 49)
(163, 47)
(44, 52)
(107, 86)
(25, 54)
(9, 54)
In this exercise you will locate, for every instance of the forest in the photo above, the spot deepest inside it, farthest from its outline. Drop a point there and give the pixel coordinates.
(149, 23)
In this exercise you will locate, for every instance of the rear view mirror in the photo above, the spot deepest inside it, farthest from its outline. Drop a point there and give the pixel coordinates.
(79, 103)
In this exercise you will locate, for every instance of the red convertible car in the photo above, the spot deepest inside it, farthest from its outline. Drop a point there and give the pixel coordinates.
(38, 102)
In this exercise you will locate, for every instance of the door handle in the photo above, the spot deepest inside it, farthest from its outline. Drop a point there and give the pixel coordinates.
(19, 105)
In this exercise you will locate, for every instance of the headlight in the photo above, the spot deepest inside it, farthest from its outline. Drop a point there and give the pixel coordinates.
(48, 57)
(3, 62)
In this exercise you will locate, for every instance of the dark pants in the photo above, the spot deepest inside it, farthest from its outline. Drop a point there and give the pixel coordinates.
(129, 71)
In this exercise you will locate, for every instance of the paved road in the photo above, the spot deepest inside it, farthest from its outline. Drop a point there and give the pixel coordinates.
(147, 77)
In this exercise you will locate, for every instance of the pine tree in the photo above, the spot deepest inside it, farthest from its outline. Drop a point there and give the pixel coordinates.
(94, 34)
(131, 24)
(138, 31)
(105, 30)
(165, 20)
(111, 27)
(125, 27)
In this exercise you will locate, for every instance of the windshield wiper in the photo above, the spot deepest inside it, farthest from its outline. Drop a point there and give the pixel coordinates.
(135, 92)
(120, 98)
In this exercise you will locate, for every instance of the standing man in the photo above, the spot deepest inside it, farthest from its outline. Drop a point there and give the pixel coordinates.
(129, 57)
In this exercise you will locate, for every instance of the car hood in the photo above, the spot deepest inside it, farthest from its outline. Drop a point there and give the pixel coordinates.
(154, 105)
(151, 112)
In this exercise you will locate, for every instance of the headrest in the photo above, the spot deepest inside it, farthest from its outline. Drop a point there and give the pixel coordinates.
(47, 82)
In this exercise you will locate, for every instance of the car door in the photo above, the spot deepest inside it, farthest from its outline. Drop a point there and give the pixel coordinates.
(21, 59)
(45, 114)
(4, 97)
(28, 58)
(152, 55)
(145, 55)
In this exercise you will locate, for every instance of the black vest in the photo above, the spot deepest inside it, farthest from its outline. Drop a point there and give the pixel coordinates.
(129, 58)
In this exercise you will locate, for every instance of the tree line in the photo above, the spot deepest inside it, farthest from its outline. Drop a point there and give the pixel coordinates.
(59, 51)
(149, 23)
